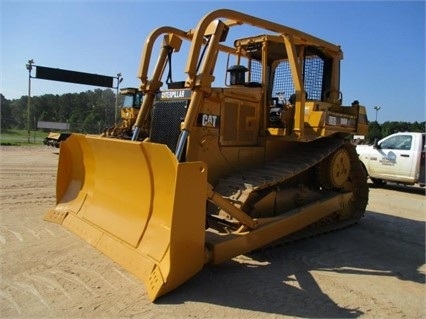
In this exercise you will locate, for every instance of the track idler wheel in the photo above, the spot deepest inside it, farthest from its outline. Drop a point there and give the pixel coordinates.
(335, 170)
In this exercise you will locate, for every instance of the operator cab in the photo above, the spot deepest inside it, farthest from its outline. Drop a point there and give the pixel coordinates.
(275, 71)
(300, 85)
(132, 98)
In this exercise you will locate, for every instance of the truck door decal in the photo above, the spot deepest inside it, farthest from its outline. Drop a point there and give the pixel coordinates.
(389, 159)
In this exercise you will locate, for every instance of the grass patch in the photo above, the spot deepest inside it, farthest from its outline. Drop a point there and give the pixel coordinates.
(21, 137)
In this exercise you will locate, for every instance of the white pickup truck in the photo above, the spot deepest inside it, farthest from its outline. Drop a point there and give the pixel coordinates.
(398, 158)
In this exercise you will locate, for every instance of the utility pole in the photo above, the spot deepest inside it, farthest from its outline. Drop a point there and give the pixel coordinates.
(119, 80)
(377, 108)
(29, 68)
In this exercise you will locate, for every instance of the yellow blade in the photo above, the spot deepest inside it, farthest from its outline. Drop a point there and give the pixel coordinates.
(135, 203)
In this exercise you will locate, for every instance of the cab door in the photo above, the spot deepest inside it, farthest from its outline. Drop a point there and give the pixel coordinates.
(393, 159)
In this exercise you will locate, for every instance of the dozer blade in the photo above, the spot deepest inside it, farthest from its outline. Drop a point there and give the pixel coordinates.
(135, 203)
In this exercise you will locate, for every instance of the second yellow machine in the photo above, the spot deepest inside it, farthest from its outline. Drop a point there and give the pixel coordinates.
(251, 146)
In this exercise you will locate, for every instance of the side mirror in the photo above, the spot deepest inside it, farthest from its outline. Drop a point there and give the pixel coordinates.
(376, 143)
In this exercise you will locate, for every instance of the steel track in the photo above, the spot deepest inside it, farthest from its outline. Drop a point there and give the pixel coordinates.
(241, 187)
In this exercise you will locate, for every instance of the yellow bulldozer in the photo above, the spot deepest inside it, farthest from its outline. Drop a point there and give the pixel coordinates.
(132, 101)
(251, 147)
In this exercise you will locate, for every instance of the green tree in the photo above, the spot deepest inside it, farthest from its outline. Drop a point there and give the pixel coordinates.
(19, 112)
(374, 132)
(89, 124)
(7, 120)
(418, 127)
(75, 124)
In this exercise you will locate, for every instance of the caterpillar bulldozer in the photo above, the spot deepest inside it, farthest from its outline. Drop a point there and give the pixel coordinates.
(132, 100)
(212, 170)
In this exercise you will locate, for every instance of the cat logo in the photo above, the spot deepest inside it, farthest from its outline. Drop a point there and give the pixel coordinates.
(208, 120)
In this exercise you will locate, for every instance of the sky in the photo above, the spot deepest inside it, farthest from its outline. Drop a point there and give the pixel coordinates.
(383, 43)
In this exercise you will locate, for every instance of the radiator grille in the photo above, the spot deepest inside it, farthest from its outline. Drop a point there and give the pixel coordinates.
(167, 117)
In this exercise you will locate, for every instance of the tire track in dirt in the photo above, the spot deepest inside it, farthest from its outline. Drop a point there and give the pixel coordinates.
(23, 233)
(64, 284)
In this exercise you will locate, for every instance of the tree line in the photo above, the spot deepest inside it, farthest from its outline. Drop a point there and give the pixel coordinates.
(85, 112)
(379, 131)
(92, 111)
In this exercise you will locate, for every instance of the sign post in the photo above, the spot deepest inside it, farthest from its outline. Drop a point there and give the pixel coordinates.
(29, 68)
(46, 73)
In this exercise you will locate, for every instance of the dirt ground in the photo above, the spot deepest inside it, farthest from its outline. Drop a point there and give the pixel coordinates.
(375, 269)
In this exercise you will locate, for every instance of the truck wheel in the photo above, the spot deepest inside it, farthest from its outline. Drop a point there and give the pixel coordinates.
(378, 182)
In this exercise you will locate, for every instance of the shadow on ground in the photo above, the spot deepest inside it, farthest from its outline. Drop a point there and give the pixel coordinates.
(412, 189)
(278, 280)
